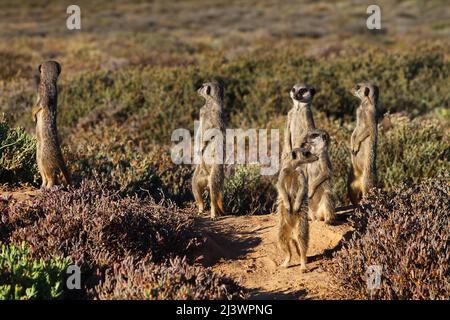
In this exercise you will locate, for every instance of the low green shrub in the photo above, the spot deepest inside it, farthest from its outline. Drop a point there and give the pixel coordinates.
(24, 278)
(246, 191)
(413, 150)
(17, 155)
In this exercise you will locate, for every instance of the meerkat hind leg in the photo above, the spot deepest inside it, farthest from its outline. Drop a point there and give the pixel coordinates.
(199, 183)
(301, 239)
(44, 182)
(220, 203)
(214, 199)
(284, 245)
(215, 188)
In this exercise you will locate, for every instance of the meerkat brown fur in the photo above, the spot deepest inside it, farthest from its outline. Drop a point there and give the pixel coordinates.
(319, 175)
(293, 227)
(48, 152)
(300, 118)
(210, 175)
(363, 172)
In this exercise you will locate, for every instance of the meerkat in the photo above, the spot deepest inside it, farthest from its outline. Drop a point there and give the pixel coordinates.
(363, 171)
(48, 152)
(319, 175)
(300, 118)
(293, 224)
(210, 175)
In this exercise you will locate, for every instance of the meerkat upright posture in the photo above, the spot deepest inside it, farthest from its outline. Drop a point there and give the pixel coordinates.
(293, 224)
(319, 174)
(210, 175)
(300, 118)
(363, 173)
(48, 152)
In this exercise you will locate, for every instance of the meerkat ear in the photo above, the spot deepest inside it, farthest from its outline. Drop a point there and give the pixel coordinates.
(313, 92)
(59, 68)
(293, 155)
(366, 91)
(376, 91)
(39, 68)
(326, 138)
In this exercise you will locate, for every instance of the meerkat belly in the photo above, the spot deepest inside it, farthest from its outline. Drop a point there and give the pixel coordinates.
(315, 202)
(298, 129)
(313, 172)
(363, 155)
(292, 186)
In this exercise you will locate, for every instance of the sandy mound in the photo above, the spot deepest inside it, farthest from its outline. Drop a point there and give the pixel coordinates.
(245, 249)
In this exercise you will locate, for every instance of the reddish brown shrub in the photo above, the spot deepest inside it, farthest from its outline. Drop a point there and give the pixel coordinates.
(405, 233)
(106, 234)
(177, 280)
(97, 228)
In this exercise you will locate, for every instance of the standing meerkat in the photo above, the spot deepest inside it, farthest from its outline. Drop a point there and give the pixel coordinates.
(300, 118)
(319, 174)
(363, 173)
(48, 152)
(293, 224)
(210, 174)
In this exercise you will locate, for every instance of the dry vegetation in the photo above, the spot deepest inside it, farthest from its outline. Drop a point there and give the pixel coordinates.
(129, 78)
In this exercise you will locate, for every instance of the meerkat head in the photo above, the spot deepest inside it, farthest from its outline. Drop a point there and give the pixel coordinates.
(302, 93)
(317, 140)
(366, 91)
(211, 91)
(301, 156)
(49, 71)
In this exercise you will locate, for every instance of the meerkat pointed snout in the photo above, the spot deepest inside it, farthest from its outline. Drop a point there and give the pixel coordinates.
(302, 93)
(48, 151)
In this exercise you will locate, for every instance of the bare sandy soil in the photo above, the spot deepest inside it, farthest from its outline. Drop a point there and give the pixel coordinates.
(245, 249)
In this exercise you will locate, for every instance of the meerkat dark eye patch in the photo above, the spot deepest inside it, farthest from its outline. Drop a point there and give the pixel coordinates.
(294, 155)
(313, 136)
(366, 91)
(302, 91)
(208, 90)
(306, 153)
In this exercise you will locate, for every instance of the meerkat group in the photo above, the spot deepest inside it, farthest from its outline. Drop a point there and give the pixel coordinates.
(316, 177)
(306, 173)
